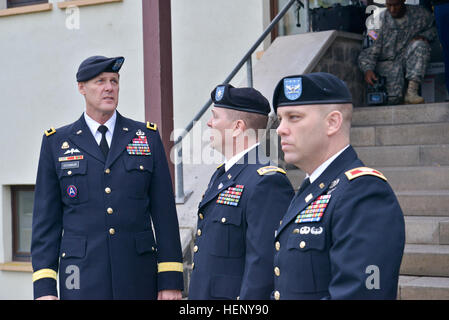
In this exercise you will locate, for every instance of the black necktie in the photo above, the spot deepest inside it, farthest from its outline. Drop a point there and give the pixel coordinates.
(104, 147)
(304, 185)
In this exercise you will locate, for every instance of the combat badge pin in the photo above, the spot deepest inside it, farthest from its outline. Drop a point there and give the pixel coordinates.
(65, 145)
(334, 183)
(72, 151)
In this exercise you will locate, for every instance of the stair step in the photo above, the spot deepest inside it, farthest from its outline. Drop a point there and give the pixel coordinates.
(426, 230)
(425, 260)
(401, 114)
(423, 288)
(424, 202)
(405, 134)
(414, 155)
(417, 178)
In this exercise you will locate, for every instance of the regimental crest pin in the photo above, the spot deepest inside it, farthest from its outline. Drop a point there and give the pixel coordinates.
(219, 93)
(292, 88)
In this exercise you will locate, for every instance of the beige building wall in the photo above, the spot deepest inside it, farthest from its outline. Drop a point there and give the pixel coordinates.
(41, 55)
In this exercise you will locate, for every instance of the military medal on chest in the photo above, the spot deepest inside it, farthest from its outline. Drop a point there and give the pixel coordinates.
(231, 196)
(314, 211)
(139, 146)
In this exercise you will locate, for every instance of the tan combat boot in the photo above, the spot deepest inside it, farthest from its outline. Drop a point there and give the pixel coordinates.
(412, 96)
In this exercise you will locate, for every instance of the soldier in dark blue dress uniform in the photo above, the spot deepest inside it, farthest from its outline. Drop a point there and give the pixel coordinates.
(343, 234)
(242, 206)
(102, 186)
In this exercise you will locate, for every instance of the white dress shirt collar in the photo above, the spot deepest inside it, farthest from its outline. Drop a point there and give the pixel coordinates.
(318, 171)
(94, 125)
(229, 163)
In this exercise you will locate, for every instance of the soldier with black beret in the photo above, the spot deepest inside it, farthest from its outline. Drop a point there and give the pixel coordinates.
(102, 186)
(244, 201)
(343, 235)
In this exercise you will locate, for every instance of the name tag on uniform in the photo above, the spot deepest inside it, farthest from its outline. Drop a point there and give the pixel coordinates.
(70, 165)
(315, 210)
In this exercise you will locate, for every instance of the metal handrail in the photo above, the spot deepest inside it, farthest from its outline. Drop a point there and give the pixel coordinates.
(180, 196)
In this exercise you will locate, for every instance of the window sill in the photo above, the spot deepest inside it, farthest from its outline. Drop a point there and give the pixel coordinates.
(26, 9)
(16, 266)
(81, 3)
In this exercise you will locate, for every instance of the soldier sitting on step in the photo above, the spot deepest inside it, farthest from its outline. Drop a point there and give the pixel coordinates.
(400, 50)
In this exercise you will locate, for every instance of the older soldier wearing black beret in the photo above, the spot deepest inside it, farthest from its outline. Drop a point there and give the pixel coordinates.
(242, 206)
(343, 234)
(102, 186)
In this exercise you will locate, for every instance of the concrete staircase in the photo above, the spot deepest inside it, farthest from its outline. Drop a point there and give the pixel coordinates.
(409, 144)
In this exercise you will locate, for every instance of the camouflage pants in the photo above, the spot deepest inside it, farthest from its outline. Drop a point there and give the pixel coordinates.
(410, 65)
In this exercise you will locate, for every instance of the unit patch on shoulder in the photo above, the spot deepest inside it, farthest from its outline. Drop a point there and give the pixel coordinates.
(264, 170)
(363, 171)
(151, 126)
(50, 131)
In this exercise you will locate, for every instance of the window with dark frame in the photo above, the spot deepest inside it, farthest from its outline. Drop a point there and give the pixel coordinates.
(20, 3)
(22, 199)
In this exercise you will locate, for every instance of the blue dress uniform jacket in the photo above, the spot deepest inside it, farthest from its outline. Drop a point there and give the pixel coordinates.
(233, 252)
(354, 250)
(93, 217)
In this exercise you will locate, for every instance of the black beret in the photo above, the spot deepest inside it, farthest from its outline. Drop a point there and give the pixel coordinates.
(312, 88)
(93, 66)
(241, 99)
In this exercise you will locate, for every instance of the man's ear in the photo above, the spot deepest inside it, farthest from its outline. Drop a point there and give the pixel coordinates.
(334, 121)
(82, 88)
(239, 128)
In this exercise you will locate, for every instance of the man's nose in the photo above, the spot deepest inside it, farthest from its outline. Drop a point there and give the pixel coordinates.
(281, 130)
(108, 86)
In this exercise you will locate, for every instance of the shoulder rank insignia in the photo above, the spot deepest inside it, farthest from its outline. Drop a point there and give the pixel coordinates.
(151, 126)
(50, 131)
(363, 171)
(264, 170)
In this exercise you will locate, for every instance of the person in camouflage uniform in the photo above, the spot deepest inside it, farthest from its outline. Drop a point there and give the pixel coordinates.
(400, 50)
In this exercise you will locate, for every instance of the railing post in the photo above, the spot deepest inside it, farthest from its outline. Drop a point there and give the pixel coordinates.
(249, 71)
(181, 197)
(179, 190)
(306, 9)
